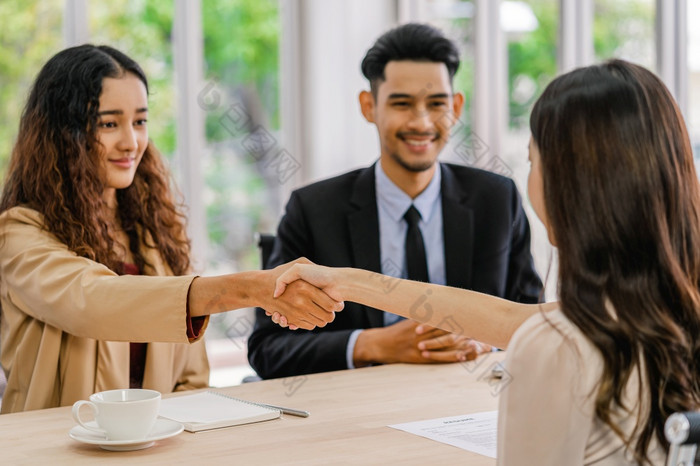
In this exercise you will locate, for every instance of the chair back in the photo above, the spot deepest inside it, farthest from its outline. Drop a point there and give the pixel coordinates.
(682, 431)
(265, 242)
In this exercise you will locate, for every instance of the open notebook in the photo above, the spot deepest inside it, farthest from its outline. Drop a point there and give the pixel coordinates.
(212, 410)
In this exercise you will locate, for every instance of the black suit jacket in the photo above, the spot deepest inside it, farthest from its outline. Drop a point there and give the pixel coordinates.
(335, 223)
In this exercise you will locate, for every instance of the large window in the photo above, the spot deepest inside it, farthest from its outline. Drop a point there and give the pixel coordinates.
(33, 34)
(241, 66)
(625, 29)
(530, 29)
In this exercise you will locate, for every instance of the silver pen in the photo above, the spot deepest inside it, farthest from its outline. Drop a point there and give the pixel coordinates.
(290, 411)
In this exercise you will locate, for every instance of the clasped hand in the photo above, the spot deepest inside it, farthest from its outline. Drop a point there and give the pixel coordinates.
(421, 343)
(408, 341)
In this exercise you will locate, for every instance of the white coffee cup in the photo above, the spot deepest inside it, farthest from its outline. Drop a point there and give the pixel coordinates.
(124, 414)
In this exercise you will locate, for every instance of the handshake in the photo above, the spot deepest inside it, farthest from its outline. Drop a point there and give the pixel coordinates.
(303, 296)
(308, 295)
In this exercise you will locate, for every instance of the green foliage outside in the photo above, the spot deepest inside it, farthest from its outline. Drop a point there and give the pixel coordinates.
(622, 29)
(26, 42)
(625, 30)
(461, 31)
(532, 61)
(241, 44)
(241, 50)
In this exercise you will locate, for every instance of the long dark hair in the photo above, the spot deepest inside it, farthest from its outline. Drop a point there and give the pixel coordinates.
(623, 203)
(55, 165)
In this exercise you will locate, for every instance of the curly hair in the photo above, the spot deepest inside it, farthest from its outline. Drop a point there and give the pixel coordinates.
(55, 167)
(623, 202)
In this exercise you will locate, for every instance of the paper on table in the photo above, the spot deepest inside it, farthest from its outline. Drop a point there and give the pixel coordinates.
(474, 432)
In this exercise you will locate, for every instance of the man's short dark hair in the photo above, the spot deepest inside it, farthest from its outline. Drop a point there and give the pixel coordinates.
(412, 41)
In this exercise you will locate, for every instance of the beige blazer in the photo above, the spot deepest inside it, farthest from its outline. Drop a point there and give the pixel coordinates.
(546, 413)
(67, 321)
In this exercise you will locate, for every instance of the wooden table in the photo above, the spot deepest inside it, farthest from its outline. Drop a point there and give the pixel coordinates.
(350, 412)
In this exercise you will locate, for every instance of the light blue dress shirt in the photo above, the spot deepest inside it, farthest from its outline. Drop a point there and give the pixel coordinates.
(392, 204)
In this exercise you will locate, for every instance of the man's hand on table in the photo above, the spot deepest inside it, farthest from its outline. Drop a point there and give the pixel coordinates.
(410, 342)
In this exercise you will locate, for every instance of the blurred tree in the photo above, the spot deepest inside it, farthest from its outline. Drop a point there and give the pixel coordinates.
(461, 31)
(26, 42)
(625, 30)
(620, 29)
(241, 54)
(242, 59)
(532, 61)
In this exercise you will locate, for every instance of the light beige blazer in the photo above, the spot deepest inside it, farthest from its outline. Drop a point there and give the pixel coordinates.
(546, 412)
(67, 321)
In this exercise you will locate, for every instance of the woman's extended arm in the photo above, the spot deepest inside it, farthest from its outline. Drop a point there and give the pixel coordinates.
(480, 316)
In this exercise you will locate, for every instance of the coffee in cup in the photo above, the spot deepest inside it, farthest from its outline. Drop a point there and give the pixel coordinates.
(124, 414)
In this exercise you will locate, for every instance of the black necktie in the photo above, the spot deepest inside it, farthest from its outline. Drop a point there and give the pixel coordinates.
(415, 249)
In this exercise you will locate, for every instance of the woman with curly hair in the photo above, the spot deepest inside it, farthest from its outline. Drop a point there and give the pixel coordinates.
(95, 276)
(594, 377)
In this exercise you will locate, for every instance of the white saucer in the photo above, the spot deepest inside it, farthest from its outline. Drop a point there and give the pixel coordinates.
(162, 429)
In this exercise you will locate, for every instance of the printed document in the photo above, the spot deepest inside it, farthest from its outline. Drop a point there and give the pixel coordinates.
(473, 432)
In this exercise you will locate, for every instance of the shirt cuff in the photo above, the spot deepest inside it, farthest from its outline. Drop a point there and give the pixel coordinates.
(350, 351)
(194, 324)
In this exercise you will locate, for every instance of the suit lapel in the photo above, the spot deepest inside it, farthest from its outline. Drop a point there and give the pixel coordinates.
(363, 225)
(458, 230)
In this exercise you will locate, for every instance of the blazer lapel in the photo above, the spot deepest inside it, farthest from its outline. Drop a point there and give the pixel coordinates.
(458, 231)
(157, 376)
(363, 225)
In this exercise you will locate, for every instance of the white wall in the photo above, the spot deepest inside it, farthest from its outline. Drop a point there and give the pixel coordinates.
(326, 123)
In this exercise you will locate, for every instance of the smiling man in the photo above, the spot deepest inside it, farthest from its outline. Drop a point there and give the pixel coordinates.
(406, 216)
